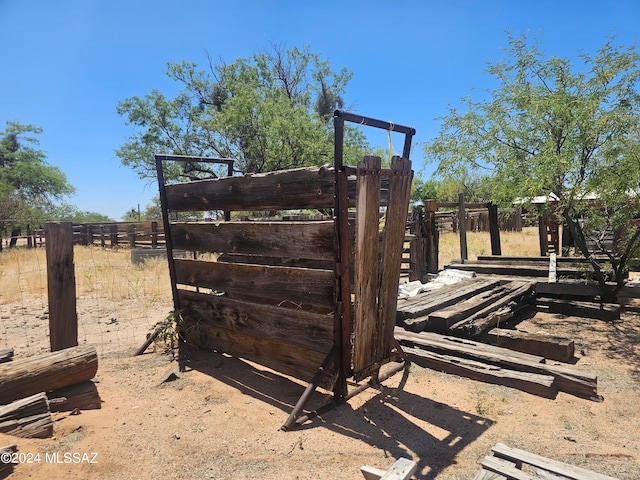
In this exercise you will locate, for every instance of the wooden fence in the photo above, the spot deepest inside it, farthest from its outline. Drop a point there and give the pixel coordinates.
(279, 293)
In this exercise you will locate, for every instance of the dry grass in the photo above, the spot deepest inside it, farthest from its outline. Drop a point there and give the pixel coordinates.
(99, 272)
(514, 244)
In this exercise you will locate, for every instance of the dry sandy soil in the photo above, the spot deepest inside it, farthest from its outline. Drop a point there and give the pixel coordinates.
(221, 417)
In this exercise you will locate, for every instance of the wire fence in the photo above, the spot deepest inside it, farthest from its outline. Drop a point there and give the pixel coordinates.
(118, 302)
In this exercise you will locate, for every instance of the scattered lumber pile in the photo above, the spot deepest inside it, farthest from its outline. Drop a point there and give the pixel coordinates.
(401, 470)
(33, 387)
(465, 308)
(506, 464)
(495, 365)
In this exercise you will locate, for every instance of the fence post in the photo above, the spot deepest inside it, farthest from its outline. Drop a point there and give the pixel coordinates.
(462, 227)
(494, 229)
(431, 232)
(61, 282)
(154, 234)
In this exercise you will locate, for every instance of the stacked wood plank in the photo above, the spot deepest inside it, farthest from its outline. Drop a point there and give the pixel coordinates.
(468, 307)
(533, 267)
(31, 388)
(506, 464)
(496, 365)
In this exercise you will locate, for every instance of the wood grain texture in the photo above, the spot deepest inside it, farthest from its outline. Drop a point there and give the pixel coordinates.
(303, 240)
(305, 329)
(298, 285)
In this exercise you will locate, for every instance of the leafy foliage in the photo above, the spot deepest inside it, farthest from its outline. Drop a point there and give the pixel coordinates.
(551, 128)
(28, 186)
(268, 112)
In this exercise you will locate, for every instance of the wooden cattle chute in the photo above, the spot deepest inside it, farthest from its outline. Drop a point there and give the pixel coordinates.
(303, 298)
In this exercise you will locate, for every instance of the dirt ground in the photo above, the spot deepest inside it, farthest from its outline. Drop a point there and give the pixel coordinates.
(221, 417)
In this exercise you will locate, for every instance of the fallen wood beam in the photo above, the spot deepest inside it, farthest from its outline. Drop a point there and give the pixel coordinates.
(568, 289)
(471, 349)
(28, 417)
(555, 348)
(532, 270)
(599, 311)
(536, 384)
(49, 371)
(553, 466)
(581, 384)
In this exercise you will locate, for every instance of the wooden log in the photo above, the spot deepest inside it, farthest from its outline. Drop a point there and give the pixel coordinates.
(555, 348)
(298, 240)
(536, 384)
(61, 286)
(600, 311)
(568, 290)
(27, 417)
(48, 371)
(81, 396)
(6, 355)
(299, 285)
(564, 469)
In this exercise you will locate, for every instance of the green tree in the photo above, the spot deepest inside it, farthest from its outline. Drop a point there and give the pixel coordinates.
(28, 186)
(65, 212)
(552, 128)
(267, 112)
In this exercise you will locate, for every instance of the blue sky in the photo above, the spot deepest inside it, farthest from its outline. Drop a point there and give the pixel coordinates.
(66, 64)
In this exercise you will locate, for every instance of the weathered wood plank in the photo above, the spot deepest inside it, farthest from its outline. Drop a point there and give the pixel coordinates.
(40, 373)
(402, 469)
(494, 299)
(536, 384)
(328, 264)
(555, 348)
(507, 469)
(286, 358)
(568, 380)
(600, 311)
(311, 187)
(518, 270)
(27, 417)
(489, 475)
(394, 231)
(305, 329)
(366, 267)
(413, 313)
(501, 309)
(573, 289)
(464, 347)
(570, 471)
(305, 240)
(298, 285)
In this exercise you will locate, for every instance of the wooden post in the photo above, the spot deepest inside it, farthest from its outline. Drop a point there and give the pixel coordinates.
(418, 249)
(542, 233)
(494, 229)
(113, 229)
(462, 227)
(154, 234)
(431, 232)
(131, 230)
(61, 281)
